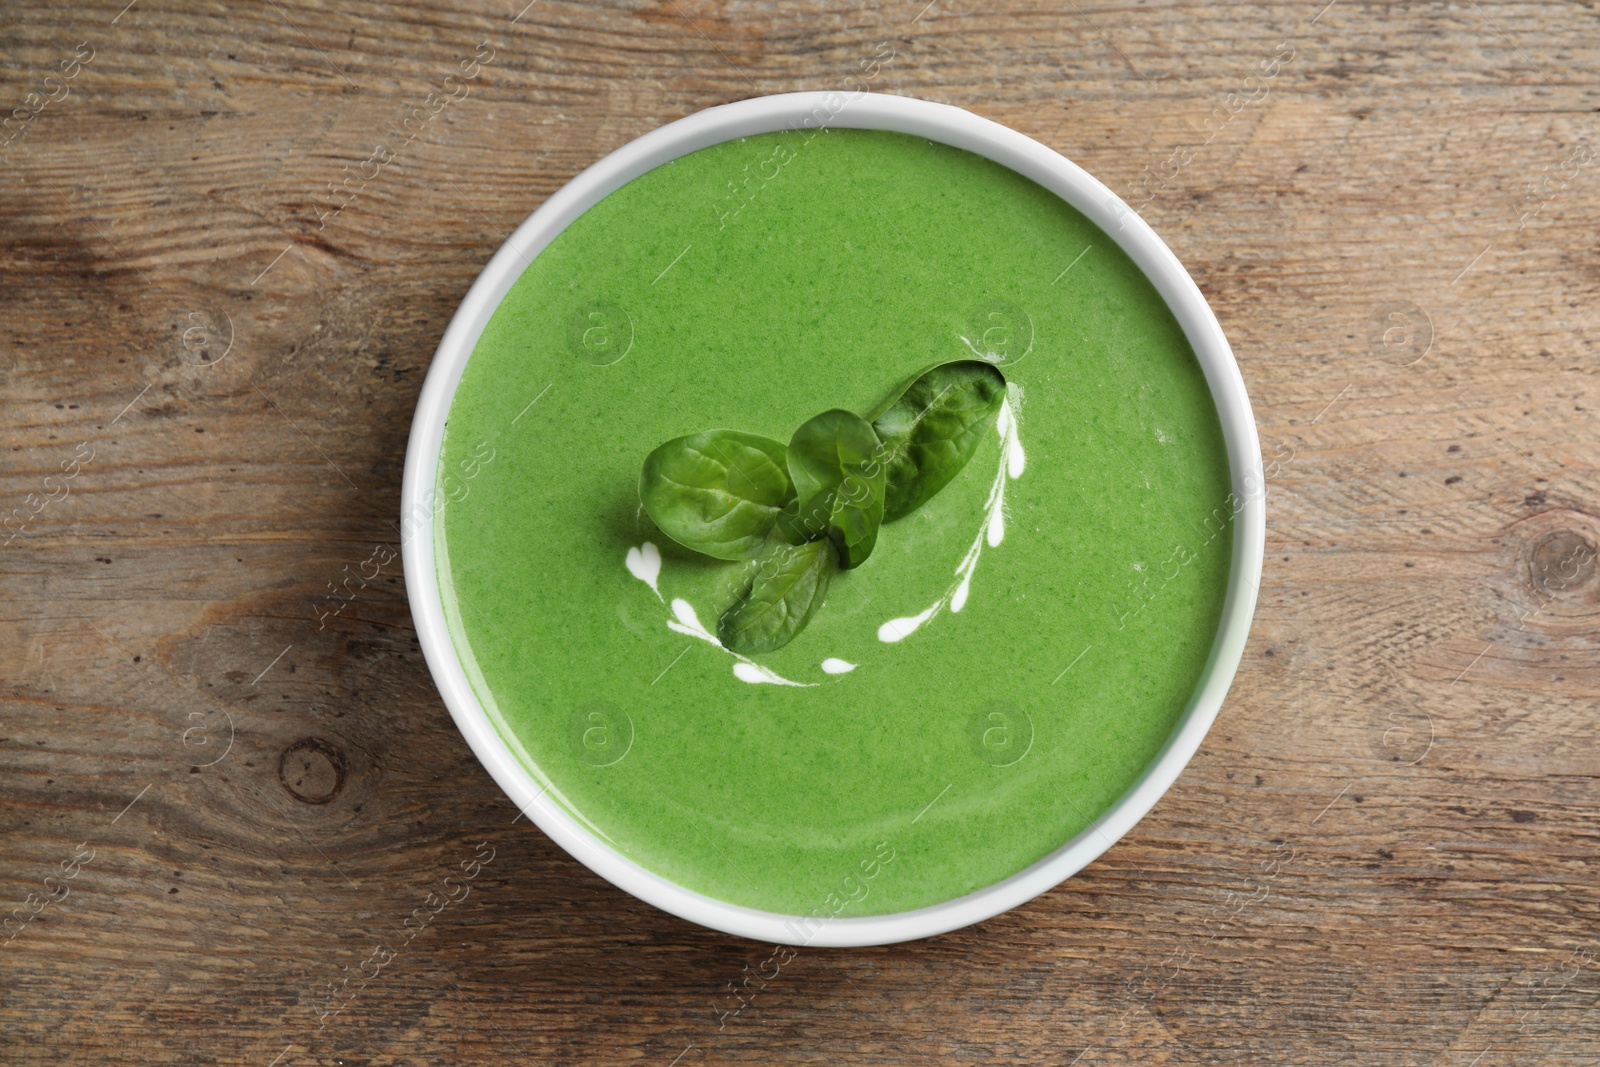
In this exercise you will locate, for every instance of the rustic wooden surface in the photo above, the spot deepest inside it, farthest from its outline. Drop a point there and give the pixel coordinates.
(222, 789)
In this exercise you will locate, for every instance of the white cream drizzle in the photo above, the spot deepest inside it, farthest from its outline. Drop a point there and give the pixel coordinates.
(644, 563)
(835, 665)
(1013, 461)
(746, 670)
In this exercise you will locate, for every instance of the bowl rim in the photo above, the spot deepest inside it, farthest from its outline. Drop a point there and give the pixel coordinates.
(820, 110)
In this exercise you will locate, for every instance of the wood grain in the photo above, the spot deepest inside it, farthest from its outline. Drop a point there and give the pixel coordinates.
(1383, 854)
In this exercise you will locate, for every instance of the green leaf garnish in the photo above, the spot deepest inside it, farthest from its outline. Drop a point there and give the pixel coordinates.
(717, 492)
(788, 587)
(931, 430)
(839, 482)
(813, 507)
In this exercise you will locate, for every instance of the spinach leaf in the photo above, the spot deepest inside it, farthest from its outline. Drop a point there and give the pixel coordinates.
(716, 492)
(931, 430)
(788, 586)
(839, 481)
(794, 529)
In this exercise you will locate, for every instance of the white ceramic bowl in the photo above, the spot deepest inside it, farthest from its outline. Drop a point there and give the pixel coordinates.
(871, 111)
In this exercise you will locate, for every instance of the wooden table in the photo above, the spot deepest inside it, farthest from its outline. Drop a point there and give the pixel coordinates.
(227, 777)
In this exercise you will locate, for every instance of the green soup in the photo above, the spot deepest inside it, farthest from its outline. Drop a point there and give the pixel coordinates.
(750, 286)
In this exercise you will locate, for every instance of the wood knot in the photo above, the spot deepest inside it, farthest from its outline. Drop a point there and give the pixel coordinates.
(1561, 561)
(312, 770)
